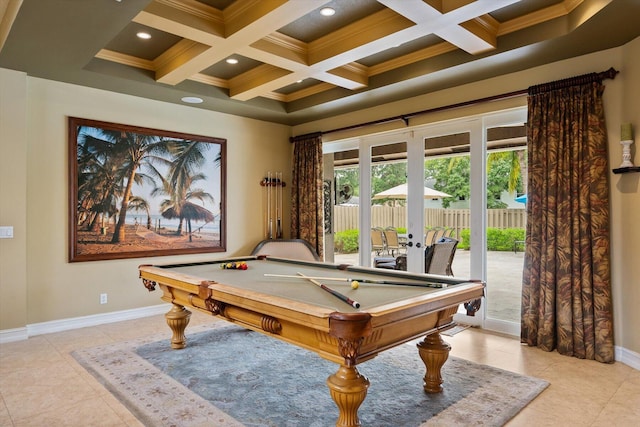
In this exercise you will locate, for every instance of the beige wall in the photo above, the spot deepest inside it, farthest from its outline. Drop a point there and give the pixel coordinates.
(625, 207)
(622, 104)
(37, 282)
(13, 199)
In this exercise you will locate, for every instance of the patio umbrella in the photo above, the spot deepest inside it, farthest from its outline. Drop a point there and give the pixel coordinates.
(190, 212)
(400, 192)
(521, 199)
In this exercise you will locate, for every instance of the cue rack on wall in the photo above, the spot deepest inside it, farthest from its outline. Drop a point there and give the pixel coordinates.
(273, 185)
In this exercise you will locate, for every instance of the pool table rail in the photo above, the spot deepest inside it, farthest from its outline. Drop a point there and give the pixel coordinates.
(312, 327)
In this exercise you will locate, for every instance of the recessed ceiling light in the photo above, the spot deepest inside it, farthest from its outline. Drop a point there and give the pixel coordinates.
(327, 11)
(232, 61)
(192, 100)
(143, 35)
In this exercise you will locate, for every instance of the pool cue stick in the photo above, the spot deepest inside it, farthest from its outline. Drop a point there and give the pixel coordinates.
(279, 205)
(377, 282)
(266, 210)
(269, 202)
(344, 298)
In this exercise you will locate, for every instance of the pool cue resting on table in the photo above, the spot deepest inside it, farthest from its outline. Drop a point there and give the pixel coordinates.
(378, 282)
(344, 298)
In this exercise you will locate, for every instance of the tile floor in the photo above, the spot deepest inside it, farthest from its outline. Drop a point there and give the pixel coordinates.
(42, 385)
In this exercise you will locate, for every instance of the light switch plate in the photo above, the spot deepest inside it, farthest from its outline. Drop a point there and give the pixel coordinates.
(6, 232)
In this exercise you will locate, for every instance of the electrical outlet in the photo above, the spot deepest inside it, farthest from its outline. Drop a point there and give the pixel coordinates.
(6, 232)
(103, 298)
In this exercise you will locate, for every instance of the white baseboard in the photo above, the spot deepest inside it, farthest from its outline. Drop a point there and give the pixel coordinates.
(11, 335)
(18, 334)
(503, 327)
(627, 357)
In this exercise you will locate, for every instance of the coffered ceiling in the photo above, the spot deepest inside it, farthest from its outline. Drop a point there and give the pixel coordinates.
(294, 64)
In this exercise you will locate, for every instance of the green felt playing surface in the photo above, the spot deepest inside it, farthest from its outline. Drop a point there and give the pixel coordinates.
(369, 295)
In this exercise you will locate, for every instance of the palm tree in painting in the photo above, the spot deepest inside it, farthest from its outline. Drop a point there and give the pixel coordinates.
(99, 182)
(137, 149)
(188, 159)
(179, 204)
(130, 150)
(137, 204)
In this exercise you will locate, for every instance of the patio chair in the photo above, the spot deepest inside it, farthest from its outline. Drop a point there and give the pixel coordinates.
(298, 249)
(377, 240)
(392, 241)
(437, 258)
(439, 235)
(429, 237)
(442, 257)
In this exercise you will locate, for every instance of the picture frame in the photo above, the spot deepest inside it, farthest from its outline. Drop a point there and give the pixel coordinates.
(136, 192)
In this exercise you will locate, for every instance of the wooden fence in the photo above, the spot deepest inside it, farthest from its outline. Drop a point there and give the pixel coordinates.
(346, 218)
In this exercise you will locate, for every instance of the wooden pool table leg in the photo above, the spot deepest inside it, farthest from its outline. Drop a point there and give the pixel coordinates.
(434, 351)
(178, 319)
(348, 388)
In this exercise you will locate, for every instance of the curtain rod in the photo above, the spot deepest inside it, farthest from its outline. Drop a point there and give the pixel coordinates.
(544, 87)
(573, 81)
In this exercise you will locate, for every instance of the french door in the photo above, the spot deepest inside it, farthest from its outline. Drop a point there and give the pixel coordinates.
(448, 141)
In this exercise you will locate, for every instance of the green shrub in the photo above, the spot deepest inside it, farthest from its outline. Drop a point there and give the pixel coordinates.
(346, 242)
(502, 240)
(497, 239)
(465, 239)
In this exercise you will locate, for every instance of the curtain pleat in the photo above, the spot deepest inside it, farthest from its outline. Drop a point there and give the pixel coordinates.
(566, 292)
(307, 191)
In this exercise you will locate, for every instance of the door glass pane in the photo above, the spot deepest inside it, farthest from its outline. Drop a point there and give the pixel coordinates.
(345, 219)
(388, 203)
(447, 169)
(506, 221)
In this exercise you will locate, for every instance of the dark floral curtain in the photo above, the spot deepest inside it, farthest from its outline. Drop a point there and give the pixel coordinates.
(566, 292)
(306, 191)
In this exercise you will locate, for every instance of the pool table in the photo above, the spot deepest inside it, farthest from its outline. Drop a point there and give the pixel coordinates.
(271, 297)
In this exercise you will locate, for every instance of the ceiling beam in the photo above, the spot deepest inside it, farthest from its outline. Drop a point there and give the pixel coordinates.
(8, 12)
(194, 21)
(245, 22)
(251, 28)
(463, 23)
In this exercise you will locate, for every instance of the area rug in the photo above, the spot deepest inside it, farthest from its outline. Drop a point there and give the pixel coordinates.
(229, 376)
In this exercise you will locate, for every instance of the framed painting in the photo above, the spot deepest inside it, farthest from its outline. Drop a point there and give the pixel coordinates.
(137, 192)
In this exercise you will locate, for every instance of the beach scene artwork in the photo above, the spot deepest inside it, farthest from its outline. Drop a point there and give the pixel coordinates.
(139, 192)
